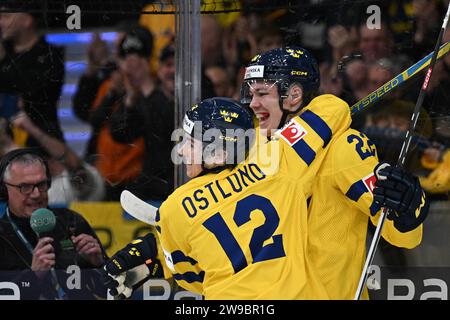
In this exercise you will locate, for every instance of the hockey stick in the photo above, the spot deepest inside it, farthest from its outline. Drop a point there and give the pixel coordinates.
(138, 208)
(402, 158)
(398, 80)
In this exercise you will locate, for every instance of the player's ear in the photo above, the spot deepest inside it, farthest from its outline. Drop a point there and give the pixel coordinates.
(295, 97)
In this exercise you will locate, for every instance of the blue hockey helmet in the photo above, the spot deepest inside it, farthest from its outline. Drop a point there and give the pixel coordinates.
(229, 118)
(283, 66)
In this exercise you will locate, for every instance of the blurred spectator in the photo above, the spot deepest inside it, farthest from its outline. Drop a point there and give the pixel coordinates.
(380, 72)
(386, 126)
(212, 38)
(99, 68)
(166, 75)
(144, 112)
(223, 86)
(427, 21)
(268, 37)
(239, 44)
(30, 68)
(438, 97)
(375, 44)
(166, 72)
(72, 179)
(25, 182)
(121, 162)
(343, 43)
(355, 80)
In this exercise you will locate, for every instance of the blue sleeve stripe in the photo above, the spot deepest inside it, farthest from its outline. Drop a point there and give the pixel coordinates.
(304, 151)
(318, 125)
(374, 208)
(179, 256)
(157, 218)
(356, 190)
(190, 277)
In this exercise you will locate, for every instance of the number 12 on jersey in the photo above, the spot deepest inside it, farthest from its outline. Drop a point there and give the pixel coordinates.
(244, 207)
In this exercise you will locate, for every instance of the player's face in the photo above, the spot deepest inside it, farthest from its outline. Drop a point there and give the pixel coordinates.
(191, 150)
(265, 104)
(166, 74)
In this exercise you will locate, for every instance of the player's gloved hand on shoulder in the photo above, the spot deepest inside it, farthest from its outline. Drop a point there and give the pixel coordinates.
(131, 266)
(400, 191)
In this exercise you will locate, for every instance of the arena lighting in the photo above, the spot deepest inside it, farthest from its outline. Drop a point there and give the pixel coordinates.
(83, 37)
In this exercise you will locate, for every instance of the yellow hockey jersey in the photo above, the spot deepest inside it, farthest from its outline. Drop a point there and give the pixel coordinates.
(339, 208)
(242, 233)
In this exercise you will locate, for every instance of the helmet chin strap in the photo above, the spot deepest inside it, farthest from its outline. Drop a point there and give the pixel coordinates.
(216, 169)
(286, 113)
(210, 170)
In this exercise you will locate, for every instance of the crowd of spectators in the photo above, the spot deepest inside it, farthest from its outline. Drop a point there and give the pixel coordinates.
(126, 95)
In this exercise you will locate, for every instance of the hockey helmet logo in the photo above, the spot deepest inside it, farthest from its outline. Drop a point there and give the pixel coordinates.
(188, 125)
(293, 132)
(256, 71)
(295, 53)
(255, 58)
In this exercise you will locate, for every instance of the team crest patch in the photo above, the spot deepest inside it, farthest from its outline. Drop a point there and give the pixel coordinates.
(369, 182)
(293, 132)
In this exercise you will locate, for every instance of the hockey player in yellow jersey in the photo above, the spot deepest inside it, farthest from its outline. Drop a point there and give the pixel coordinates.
(237, 231)
(214, 246)
(342, 194)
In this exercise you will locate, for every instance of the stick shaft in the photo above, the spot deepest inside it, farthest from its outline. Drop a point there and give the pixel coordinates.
(398, 80)
(402, 158)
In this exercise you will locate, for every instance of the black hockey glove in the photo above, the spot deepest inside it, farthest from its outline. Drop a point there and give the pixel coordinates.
(131, 266)
(400, 191)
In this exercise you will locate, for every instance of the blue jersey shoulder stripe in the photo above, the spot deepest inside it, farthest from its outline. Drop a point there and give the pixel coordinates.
(190, 276)
(318, 125)
(356, 190)
(304, 151)
(179, 256)
(374, 208)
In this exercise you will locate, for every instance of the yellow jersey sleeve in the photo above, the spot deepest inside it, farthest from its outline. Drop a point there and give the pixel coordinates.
(355, 158)
(173, 249)
(308, 134)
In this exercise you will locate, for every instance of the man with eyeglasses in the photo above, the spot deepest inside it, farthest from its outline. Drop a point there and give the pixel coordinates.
(24, 184)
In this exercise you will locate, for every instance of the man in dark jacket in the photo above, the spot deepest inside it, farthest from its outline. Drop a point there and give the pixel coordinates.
(24, 182)
(30, 68)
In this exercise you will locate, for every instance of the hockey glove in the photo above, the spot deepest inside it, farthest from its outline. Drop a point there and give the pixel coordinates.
(401, 192)
(131, 266)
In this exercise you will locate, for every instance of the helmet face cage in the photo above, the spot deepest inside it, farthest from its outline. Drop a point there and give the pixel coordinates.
(249, 85)
(220, 123)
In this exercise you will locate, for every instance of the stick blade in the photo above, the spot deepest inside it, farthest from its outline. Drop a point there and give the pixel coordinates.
(138, 208)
